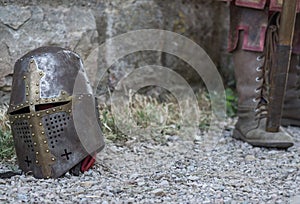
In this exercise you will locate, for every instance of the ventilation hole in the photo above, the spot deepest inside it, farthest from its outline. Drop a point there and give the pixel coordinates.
(52, 146)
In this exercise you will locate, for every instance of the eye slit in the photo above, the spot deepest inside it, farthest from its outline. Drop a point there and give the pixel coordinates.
(21, 111)
(41, 107)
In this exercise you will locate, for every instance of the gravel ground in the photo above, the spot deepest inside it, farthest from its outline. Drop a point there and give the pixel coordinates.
(175, 171)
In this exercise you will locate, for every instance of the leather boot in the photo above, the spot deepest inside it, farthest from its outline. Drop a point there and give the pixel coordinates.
(252, 103)
(291, 108)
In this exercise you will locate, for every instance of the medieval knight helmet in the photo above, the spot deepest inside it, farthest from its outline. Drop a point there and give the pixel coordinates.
(52, 112)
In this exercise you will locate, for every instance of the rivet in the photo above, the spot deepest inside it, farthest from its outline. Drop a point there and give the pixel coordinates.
(47, 111)
(47, 150)
(53, 109)
(14, 108)
(28, 117)
(60, 99)
(38, 115)
(27, 86)
(63, 93)
(24, 77)
(37, 100)
(27, 102)
(37, 153)
(18, 106)
(46, 100)
(53, 159)
(33, 134)
(34, 143)
(36, 92)
(41, 73)
(27, 94)
(31, 103)
(31, 61)
(12, 122)
(69, 111)
(45, 142)
(53, 99)
(30, 126)
(16, 117)
(47, 177)
(36, 161)
(32, 115)
(43, 133)
(23, 116)
(37, 84)
(40, 124)
(19, 116)
(60, 108)
(22, 104)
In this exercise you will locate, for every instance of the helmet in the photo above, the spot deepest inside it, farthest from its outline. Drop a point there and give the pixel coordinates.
(52, 113)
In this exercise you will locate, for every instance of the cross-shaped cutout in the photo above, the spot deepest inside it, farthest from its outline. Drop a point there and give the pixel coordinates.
(66, 154)
(27, 161)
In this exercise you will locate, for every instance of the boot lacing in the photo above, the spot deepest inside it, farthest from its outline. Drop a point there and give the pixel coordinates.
(261, 109)
(261, 91)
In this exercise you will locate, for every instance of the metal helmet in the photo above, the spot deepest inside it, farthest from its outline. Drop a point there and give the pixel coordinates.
(52, 112)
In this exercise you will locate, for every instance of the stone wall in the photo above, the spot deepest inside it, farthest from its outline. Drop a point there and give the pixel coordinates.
(84, 25)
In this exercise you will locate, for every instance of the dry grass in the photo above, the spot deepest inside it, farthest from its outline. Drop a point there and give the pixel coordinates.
(147, 118)
(6, 139)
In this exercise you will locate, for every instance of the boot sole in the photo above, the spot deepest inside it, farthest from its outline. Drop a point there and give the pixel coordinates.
(282, 145)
